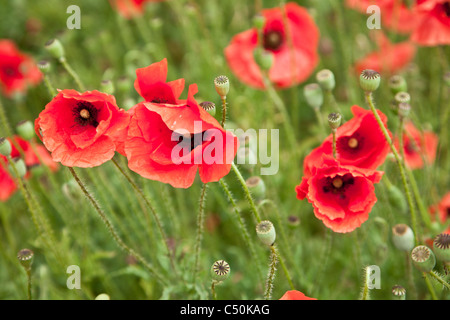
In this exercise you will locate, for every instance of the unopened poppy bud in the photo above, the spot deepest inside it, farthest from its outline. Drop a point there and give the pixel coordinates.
(266, 232)
(19, 167)
(313, 95)
(263, 58)
(326, 80)
(5, 147)
(334, 120)
(25, 129)
(397, 84)
(209, 106)
(257, 187)
(55, 48)
(403, 237)
(398, 293)
(220, 270)
(404, 109)
(25, 257)
(441, 247)
(102, 296)
(222, 85)
(107, 86)
(397, 199)
(258, 21)
(369, 80)
(44, 66)
(423, 258)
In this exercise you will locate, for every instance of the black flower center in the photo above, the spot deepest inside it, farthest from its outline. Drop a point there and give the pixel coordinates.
(10, 71)
(160, 100)
(446, 8)
(190, 141)
(338, 184)
(272, 40)
(85, 114)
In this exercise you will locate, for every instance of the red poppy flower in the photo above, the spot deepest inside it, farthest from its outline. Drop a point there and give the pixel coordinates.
(294, 48)
(390, 58)
(153, 145)
(433, 26)
(295, 295)
(82, 129)
(395, 15)
(33, 154)
(17, 70)
(7, 183)
(419, 147)
(342, 196)
(130, 8)
(359, 142)
(441, 211)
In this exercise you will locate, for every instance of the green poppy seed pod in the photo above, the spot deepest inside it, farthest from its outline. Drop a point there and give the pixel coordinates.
(266, 232)
(404, 109)
(326, 80)
(102, 296)
(334, 120)
(209, 106)
(222, 85)
(402, 97)
(258, 21)
(55, 48)
(25, 257)
(19, 167)
(398, 293)
(397, 198)
(44, 66)
(107, 86)
(5, 147)
(313, 95)
(257, 187)
(25, 129)
(423, 258)
(369, 80)
(447, 78)
(293, 221)
(246, 158)
(220, 270)
(263, 58)
(441, 247)
(397, 84)
(403, 237)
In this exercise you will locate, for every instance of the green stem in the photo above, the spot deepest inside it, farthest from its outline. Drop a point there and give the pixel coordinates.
(213, 290)
(247, 192)
(224, 110)
(111, 229)
(430, 286)
(412, 209)
(4, 121)
(29, 295)
(439, 279)
(200, 224)
(72, 73)
(271, 274)
(48, 84)
(333, 131)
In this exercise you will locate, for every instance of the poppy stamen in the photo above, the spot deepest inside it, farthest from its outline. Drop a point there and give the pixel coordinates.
(338, 182)
(85, 114)
(353, 143)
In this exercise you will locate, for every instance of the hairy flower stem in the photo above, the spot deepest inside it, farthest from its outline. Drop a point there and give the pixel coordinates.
(72, 73)
(271, 274)
(29, 293)
(4, 121)
(111, 229)
(200, 224)
(429, 286)
(401, 168)
(241, 222)
(151, 208)
(48, 84)
(334, 143)
(213, 289)
(224, 110)
(438, 278)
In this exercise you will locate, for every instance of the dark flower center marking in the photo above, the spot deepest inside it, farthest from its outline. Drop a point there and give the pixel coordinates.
(85, 114)
(272, 40)
(160, 100)
(448, 212)
(446, 8)
(190, 141)
(10, 71)
(221, 268)
(338, 185)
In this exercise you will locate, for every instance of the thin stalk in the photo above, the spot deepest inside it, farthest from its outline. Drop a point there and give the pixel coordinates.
(29, 294)
(111, 228)
(4, 121)
(213, 290)
(333, 131)
(247, 192)
(224, 110)
(200, 224)
(271, 274)
(412, 209)
(72, 73)
(439, 279)
(430, 286)
(48, 84)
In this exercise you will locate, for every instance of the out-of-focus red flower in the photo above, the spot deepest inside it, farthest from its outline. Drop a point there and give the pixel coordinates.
(17, 70)
(441, 211)
(342, 196)
(359, 142)
(395, 15)
(82, 129)
(294, 48)
(130, 8)
(433, 27)
(295, 295)
(170, 139)
(389, 58)
(419, 147)
(34, 154)
(7, 183)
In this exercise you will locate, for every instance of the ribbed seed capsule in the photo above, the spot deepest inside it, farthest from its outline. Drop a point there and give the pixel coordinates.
(257, 187)
(397, 84)
(55, 48)
(44, 66)
(423, 258)
(222, 85)
(334, 120)
(404, 109)
(369, 80)
(441, 247)
(266, 232)
(25, 257)
(313, 95)
(398, 292)
(5, 147)
(403, 237)
(326, 80)
(209, 106)
(220, 270)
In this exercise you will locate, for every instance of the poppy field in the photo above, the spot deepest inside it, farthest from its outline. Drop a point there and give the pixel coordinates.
(225, 150)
